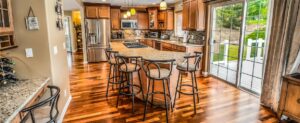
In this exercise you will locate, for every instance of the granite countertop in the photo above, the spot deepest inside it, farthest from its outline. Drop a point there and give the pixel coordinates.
(166, 41)
(14, 96)
(148, 52)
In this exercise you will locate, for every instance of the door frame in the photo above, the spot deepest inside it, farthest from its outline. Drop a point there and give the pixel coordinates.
(242, 37)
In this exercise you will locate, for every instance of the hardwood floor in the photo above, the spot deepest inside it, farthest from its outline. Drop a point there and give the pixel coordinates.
(219, 102)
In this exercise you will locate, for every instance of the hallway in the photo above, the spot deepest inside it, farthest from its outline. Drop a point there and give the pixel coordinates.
(219, 102)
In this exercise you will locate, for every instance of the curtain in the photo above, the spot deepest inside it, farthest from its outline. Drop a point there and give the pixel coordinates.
(283, 30)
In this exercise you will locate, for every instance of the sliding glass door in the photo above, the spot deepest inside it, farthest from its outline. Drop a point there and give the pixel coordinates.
(239, 61)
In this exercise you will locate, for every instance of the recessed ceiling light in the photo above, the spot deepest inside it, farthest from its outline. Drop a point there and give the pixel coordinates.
(153, 3)
(103, 0)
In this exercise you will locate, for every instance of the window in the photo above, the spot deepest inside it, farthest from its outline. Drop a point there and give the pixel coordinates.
(178, 24)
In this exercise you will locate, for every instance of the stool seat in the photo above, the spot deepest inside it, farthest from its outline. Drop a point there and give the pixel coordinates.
(154, 73)
(185, 67)
(131, 67)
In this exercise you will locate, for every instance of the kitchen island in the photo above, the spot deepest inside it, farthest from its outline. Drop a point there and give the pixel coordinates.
(16, 96)
(152, 54)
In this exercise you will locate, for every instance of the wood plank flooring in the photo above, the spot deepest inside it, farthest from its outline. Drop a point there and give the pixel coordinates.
(219, 102)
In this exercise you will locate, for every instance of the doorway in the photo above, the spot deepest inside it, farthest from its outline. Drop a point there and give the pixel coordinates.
(68, 35)
(237, 42)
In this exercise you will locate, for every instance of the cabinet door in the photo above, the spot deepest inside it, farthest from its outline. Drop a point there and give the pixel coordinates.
(201, 15)
(170, 20)
(185, 15)
(6, 21)
(115, 18)
(143, 20)
(162, 16)
(153, 19)
(292, 104)
(104, 11)
(193, 15)
(91, 12)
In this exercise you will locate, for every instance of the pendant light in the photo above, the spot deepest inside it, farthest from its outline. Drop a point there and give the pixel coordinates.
(163, 5)
(132, 10)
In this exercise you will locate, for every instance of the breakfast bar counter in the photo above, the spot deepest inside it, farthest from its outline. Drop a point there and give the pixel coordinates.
(16, 96)
(152, 54)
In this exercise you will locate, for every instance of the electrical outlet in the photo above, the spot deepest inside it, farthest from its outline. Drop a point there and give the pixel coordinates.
(65, 92)
(28, 52)
(55, 50)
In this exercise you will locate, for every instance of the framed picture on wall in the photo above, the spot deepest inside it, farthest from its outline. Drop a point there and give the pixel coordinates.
(32, 23)
(59, 24)
(58, 8)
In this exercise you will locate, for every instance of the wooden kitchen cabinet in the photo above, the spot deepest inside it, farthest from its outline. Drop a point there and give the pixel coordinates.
(115, 14)
(166, 46)
(289, 103)
(166, 20)
(193, 15)
(143, 21)
(153, 22)
(6, 20)
(91, 12)
(97, 11)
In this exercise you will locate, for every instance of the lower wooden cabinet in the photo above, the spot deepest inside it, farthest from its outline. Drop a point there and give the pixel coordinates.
(289, 104)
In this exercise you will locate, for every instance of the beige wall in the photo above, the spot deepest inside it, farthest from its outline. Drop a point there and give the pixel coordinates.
(44, 63)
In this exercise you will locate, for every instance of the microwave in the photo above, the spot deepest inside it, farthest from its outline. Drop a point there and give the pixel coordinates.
(129, 24)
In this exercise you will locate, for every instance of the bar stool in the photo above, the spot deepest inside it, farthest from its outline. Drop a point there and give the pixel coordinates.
(43, 111)
(191, 68)
(127, 68)
(113, 64)
(155, 72)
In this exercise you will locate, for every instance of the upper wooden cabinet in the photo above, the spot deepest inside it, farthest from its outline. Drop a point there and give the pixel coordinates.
(6, 20)
(115, 14)
(153, 23)
(166, 20)
(97, 11)
(193, 15)
(143, 21)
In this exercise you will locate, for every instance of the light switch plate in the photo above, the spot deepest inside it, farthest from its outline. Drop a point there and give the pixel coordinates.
(28, 52)
(55, 50)
(64, 45)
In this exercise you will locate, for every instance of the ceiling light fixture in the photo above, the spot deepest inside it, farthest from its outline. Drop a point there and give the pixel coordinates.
(163, 5)
(132, 10)
(128, 13)
(125, 16)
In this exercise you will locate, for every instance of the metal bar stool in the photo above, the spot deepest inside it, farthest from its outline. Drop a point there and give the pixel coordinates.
(155, 72)
(113, 64)
(45, 110)
(127, 68)
(191, 68)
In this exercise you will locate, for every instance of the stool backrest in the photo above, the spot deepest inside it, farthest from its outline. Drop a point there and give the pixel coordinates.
(121, 59)
(110, 54)
(197, 58)
(148, 64)
(52, 100)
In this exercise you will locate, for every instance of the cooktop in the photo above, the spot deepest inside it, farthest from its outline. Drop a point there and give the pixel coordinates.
(134, 45)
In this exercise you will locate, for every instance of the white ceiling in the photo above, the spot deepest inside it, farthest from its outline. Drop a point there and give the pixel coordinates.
(124, 3)
(71, 5)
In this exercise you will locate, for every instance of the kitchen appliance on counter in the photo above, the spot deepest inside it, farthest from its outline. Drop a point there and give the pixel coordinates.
(98, 38)
(165, 37)
(128, 24)
(117, 35)
(153, 34)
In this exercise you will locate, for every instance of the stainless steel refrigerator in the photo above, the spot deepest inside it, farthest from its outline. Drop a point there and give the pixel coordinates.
(97, 39)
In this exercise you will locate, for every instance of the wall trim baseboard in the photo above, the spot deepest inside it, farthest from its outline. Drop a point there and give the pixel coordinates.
(61, 118)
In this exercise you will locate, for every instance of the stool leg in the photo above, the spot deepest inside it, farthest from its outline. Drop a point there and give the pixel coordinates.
(132, 92)
(141, 86)
(152, 95)
(146, 101)
(197, 90)
(178, 80)
(166, 104)
(193, 87)
(114, 76)
(180, 84)
(119, 91)
(107, 87)
(168, 87)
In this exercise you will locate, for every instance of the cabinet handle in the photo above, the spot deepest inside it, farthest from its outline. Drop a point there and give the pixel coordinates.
(298, 101)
